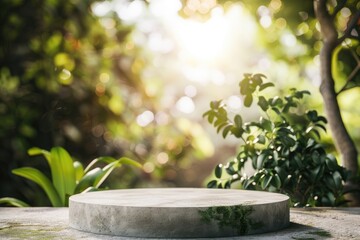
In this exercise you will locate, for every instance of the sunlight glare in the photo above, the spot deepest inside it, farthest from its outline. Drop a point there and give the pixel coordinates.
(203, 40)
(129, 12)
(100, 9)
(162, 8)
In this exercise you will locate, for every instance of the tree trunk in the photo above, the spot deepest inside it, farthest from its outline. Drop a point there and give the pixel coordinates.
(343, 142)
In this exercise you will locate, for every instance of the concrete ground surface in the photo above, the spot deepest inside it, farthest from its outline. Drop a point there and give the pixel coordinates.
(306, 224)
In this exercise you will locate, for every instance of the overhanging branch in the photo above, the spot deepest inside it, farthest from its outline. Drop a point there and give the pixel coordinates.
(351, 26)
(338, 7)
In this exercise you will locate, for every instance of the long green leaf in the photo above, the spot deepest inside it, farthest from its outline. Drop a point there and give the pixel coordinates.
(63, 172)
(39, 178)
(79, 170)
(105, 173)
(128, 161)
(13, 202)
(104, 159)
(38, 151)
(88, 179)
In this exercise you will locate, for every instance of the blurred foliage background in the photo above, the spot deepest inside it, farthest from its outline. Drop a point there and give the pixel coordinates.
(132, 78)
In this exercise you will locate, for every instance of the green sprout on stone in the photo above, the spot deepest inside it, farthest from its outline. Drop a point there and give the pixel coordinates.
(236, 217)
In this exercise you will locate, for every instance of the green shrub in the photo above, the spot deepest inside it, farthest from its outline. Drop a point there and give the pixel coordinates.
(68, 177)
(282, 146)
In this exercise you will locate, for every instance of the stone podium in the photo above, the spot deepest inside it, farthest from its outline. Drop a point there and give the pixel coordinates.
(178, 212)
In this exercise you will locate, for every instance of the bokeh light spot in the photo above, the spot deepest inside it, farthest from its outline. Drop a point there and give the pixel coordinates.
(185, 104)
(162, 158)
(149, 167)
(145, 118)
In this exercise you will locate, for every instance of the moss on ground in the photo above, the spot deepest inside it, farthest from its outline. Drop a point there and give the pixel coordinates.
(30, 231)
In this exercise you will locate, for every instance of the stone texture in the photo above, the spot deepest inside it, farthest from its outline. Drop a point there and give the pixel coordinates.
(305, 223)
(172, 212)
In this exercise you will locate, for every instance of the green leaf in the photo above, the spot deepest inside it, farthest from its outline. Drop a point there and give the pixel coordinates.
(276, 102)
(63, 172)
(266, 124)
(303, 92)
(266, 85)
(331, 162)
(105, 173)
(257, 79)
(276, 182)
(34, 151)
(104, 159)
(281, 172)
(315, 172)
(276, 110)
(248, 100)
(263, 104)
(337, 179)
(266, 181)
(88, 179)
(238, 121)
(211, 117)
(237, 132)
(321, 126)
(40, 179)
(321, 119)
(247, 183)
(79, 170)
(130, 162)
(215, 104)
(227, 185)
(212, 184)
(226, 130)
(230, 169)
(312, 115)
(244, 86)
(220, 126)
(260, 139)
(260, 161)
(222, 114)
(207, 113)
(288, 141)
(218, 171)
(90, 189)
(13, 202)
(298, 161)
(331, 198)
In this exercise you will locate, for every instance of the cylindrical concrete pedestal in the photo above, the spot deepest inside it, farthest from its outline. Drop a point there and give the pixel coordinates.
(178, 212)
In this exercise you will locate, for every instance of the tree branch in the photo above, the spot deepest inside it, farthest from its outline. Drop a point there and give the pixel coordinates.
(327, 25)
(352, 74)
(338, 7)
(351, 26)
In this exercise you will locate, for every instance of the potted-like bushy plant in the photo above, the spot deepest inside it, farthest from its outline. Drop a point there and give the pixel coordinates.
(283, 147)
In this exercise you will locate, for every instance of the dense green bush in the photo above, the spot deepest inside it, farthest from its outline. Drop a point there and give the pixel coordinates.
(282, 146)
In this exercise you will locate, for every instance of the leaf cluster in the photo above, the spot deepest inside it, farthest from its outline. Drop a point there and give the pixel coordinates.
(282, 146)
(236, 217)
(68, 177)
